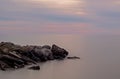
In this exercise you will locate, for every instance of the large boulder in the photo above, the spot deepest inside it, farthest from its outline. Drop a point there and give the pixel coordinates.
(47, 53)
(46, 46)
(43, 54)
(58, 53)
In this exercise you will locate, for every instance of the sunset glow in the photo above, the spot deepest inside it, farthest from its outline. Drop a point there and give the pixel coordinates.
(89, 29)
(59, 16)
(117, 2)
(66, 6)
(60, 2)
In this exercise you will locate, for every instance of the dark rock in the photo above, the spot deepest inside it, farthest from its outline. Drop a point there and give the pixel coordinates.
(16, 56)
(43, 54)
(27, 60)
(34, 68)
(32, 56)
(47, 53)
(3, 65)
(46, 46)
(11, 61)
(8, 46)
(74, 57)
(58, 53)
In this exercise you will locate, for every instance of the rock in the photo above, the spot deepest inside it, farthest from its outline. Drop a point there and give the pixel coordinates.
(24, 56)
(14, 56)
(58, 53)
(74, 57)
(46, 46)
(5, 50)
(34, 68)
(37, 55)
(43, 54)
(11, 61)
(32, 55)
(28, 61)
(3, 65)
(8, 46)
(47, 53)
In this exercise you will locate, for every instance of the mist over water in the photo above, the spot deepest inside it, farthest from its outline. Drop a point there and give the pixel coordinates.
(89, 29)
(99, 58)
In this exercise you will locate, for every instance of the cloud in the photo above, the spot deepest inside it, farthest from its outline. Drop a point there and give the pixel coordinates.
(50, 27)
(29, 17)
(105, 14)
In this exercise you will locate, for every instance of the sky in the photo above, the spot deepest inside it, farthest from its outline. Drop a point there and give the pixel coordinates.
(34, 17)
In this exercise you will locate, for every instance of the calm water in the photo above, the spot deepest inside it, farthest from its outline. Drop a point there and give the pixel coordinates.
(100, 58)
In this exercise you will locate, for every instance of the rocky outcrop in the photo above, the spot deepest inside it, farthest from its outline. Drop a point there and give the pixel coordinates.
(58, 53)
(74, 57)
(14, 56)
(34, 68)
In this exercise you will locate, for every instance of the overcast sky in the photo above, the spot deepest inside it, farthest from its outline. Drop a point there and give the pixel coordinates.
(18, 17)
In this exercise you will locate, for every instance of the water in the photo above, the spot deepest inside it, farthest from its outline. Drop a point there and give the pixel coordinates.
(89, 29)
(99, 58)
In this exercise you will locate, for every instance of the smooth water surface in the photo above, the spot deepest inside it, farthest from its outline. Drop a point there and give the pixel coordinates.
(100, 55)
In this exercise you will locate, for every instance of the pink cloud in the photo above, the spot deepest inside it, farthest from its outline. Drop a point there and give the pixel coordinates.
(28, 27)
(36, 27)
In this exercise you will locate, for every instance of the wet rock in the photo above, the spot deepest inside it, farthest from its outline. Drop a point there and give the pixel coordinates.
(74, 57)
(58, 53)
(34, 68)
